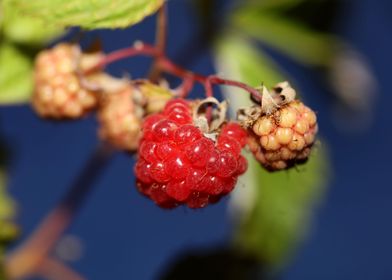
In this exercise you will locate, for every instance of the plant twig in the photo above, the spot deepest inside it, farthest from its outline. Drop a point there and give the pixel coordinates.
(25, 259)
(160, 42)
(53, 269)
(166, 65)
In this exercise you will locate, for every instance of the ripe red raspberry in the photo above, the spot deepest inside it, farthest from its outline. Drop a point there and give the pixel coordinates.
(285, 137)
(120, 119)
(178, 164)
(58, 91)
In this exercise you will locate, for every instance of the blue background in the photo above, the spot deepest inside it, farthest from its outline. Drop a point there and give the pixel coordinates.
(125, 236)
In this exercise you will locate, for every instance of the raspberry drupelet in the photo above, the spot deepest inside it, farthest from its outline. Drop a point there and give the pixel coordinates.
(179, 165)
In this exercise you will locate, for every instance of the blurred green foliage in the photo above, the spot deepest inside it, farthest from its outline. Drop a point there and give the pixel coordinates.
(88, 14)
(20, 38)
(273, 210)
(16, 77)
(8, 230)
(268, 22)
(277, 212)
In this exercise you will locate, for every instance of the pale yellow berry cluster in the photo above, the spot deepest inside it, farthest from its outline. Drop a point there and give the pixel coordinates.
(284, 138)
(119, 123)
(58, 91)
(69, 83)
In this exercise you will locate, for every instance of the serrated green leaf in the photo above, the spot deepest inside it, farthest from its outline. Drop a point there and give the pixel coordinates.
(273, 209)
(23, 29)
(292, 38)
(88, 14)
(16, 79)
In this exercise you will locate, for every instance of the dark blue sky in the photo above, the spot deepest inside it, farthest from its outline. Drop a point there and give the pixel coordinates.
(127, 237)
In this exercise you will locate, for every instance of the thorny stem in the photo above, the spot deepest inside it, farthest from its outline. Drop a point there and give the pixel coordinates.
(30, 255)
(166, 65)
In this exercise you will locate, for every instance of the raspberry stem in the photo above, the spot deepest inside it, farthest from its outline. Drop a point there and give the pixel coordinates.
(52, 268)
(166, 65)
(160, 41)
(32, 253)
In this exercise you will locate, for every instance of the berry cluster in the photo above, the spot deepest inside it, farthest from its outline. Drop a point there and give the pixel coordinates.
(284, 138)
(184, 158)
(178, 164)
(59, 91)
(282, 132)
(119, 122)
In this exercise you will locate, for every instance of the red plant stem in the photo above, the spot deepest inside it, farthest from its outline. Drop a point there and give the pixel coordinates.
(138, 49)
(53, 269)
(160, 42)
(208, 87)
(30, 255)
(185, 87)
(169, 67)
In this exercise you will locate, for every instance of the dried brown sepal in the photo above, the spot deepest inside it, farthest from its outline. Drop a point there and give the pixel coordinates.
(282, 132)
(209, 115)
(155, 96)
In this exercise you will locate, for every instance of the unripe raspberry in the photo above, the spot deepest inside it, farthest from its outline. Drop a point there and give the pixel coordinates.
(59, 91)
(179, 164)
(119, 118)
(282, 135)
(285, 137)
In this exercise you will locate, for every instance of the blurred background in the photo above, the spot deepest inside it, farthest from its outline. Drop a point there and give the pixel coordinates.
(328, 219)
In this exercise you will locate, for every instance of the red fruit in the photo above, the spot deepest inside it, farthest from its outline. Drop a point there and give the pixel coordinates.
(234, 130)
(178, 165)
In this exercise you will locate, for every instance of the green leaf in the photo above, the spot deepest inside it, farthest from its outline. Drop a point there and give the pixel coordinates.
(8, 230)
(6, 204)
(23, 29)
(236, 58)
(293, 39)
(16, 78)
(89, 14)
(281, 212)
(273, 210)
